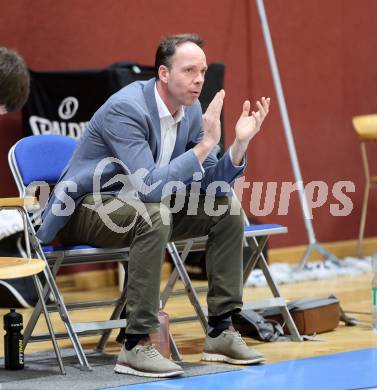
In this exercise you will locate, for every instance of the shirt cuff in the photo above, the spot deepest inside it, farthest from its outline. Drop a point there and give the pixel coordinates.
(231, 159)
(201, 167)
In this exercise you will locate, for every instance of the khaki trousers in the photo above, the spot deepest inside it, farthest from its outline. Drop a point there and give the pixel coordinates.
(146, 228)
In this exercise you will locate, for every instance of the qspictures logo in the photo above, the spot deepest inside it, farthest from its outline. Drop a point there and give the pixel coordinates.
(65, 126)
(136, 189)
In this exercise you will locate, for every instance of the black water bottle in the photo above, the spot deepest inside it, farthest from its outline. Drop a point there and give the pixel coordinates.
(13, 341)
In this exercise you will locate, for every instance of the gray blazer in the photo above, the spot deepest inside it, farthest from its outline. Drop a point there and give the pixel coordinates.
(127, 127)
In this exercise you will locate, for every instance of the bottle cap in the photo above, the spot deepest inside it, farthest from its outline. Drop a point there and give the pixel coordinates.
(13, 321)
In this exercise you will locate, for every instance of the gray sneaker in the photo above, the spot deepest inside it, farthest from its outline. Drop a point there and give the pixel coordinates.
(229, 347)
(145, 360)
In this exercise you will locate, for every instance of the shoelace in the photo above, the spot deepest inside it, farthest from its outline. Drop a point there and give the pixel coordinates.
(150, 351)
(237, 337)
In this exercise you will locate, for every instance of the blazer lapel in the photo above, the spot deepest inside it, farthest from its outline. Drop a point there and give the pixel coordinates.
(183, 126)
(152, 108)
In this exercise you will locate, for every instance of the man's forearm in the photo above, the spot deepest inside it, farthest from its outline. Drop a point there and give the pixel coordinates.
(202, 150)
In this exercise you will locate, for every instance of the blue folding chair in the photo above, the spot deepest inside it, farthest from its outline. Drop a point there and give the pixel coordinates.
(38, 161)
(180, 250)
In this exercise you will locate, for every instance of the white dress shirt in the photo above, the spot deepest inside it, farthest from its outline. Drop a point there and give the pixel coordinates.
(169, 126)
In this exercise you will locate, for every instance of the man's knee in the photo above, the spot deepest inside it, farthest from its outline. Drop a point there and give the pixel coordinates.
(236, 222)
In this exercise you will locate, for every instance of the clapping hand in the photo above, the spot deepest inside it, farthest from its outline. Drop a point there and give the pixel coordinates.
(211, 119)
(249, 125)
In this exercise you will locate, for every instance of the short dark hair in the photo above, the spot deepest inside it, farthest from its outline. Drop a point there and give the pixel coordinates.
(166, 48)
(14, 80)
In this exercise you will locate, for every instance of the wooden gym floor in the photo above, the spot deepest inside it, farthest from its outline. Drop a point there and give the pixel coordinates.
(353, 292)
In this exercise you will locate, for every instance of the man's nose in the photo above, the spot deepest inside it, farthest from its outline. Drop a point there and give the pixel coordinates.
(199, 79)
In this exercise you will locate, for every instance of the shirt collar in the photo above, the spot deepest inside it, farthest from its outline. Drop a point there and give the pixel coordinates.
(163, 111)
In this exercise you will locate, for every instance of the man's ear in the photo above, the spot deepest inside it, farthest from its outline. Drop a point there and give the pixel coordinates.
(163, 73)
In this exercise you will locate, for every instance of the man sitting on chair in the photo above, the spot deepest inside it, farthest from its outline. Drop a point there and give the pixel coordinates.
(152, 136)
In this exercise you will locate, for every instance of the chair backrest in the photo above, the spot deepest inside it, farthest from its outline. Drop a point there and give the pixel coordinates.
(40, 158)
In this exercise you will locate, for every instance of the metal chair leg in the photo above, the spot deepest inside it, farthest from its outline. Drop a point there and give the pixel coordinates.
(276, 293)
(67, 322)
(114, 316)
(364, 157)
(38, 287)
(175, 354)
(174, 275)
(38, 307)
(50, 281)
(254, 257)
(363, 218)
(191, 293)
